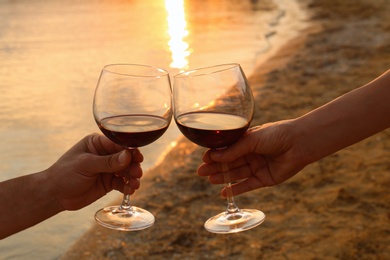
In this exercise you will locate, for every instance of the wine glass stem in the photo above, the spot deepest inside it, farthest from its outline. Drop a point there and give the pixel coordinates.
(231, 206)
(126, 205)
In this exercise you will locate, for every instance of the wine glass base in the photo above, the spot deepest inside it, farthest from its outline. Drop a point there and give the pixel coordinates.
(133, 219)
(225, 223)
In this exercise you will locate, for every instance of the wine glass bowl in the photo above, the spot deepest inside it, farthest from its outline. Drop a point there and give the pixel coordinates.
(213, 107)
(133, 107)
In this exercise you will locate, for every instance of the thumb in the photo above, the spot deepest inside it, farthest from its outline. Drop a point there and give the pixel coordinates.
(108, 163)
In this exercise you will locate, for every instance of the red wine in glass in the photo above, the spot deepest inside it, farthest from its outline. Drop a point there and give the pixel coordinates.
(133, 130)
(212, 130)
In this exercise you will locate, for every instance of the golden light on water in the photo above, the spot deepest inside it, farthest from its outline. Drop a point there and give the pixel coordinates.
(177, 32)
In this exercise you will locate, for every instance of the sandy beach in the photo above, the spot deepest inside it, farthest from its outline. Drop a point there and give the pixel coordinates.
(336, 208)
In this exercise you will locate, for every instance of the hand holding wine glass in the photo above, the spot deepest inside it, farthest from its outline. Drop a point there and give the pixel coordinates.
(132, 107)
(214, 108)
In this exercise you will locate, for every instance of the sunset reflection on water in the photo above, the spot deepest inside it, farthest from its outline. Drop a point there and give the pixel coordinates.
(177, 32)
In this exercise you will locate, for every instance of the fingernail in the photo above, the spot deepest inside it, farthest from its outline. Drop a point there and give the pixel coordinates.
(216, 154)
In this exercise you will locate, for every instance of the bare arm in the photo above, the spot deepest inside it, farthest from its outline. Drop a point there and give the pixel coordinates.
(272, 153)
(86, 172)
(344, 121)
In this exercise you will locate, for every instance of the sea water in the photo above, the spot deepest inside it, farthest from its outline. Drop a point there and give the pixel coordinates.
(51, 55)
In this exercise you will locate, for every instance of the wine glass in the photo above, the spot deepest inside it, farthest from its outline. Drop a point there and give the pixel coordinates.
(133, 107)
(213, 107)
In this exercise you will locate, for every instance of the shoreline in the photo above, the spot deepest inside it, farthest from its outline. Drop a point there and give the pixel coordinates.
(323, 211)
(286, 31)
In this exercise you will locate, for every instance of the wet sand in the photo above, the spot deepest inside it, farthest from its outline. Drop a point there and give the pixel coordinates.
(336, 208)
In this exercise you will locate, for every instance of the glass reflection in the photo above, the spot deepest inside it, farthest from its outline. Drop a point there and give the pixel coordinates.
(177, 32)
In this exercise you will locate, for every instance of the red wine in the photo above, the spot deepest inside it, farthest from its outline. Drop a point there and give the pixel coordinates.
(212, 130)
(133, 130)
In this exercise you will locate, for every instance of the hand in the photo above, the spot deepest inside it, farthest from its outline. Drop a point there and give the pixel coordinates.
(92, 168)
(265, 156)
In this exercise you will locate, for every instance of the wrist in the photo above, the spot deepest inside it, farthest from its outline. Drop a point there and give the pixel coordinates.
(47, 192)
(301, 152)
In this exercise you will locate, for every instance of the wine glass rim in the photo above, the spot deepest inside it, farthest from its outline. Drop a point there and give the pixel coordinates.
(161, 72)
(207, 70)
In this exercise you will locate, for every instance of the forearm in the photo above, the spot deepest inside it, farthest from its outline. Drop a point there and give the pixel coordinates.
(25, 201)
(344, 121)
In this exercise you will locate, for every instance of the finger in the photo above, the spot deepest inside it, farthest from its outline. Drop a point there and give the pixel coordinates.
(236, 174)
(118, 183)
(101, 145)
(212, 167)
(104, 146)
(207, 169)
(137, 156)
(94, 164)
(206, 156)
(244, 186)
(239, 149)
(134, 170)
